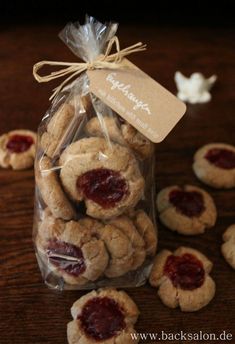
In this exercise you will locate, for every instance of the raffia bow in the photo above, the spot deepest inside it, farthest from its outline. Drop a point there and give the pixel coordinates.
(107, 60)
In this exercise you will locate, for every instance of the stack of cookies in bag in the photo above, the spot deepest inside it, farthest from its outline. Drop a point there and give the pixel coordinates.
(94, 197)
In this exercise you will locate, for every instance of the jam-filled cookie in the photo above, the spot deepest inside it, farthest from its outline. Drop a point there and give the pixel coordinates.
(120, 131)
(17, 149)
(59, 129)
(228, 248)
(71, 249)
(182, 279)
(105, 175)
(51, 190)
(188, 210)
(214, 164)
(104, 316)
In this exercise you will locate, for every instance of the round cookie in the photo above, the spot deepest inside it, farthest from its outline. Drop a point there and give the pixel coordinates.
(120, 131)
(125, 245)
(71, 249)
(106, 177)
(51, 190)
(17, 149)
(228, 248)
(104, 316)
(188, 210)
(182, 279)
(214, 165)
(59, 129)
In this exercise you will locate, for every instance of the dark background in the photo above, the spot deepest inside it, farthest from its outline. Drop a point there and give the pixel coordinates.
(163, 12)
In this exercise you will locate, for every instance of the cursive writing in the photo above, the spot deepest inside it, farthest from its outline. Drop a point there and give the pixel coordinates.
(125, 89)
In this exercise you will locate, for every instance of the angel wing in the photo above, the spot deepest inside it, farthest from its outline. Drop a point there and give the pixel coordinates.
(180, 80)
(210, 81)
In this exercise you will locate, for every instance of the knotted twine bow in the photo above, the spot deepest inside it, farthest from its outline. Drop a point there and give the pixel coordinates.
(74, 68)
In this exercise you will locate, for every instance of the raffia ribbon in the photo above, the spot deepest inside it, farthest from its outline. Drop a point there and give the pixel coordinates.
(72, 69)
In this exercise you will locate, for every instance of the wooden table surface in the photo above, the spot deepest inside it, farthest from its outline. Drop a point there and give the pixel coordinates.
(29, 311)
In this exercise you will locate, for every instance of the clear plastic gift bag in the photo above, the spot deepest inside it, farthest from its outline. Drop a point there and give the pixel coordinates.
(94, 220)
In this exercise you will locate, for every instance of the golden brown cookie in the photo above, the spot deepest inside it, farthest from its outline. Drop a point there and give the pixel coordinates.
(188, 210)
(121, 132)
(182, 279)
(17, 149)
(228, 248)
(104, 316)
(71, 249)
(51, 190)
(214, 165)
(126, 253)
(106, 176)
(59, 129)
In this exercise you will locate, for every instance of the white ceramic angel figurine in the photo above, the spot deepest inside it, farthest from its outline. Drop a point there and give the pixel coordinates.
(194, 89)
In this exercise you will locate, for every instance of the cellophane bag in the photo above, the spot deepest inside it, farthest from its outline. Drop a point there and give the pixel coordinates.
(94, 219)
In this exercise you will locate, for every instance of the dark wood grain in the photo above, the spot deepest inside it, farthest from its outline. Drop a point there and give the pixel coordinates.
(29, 311)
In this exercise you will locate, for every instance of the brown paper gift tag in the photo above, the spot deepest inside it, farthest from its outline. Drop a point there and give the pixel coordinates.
(139, 99)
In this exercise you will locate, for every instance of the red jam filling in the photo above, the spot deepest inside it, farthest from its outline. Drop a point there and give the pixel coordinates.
(189, 203)
(19, 143)
(103, 186)
(102, 318)
(66, 257)
(222, 158)
(185, 271)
